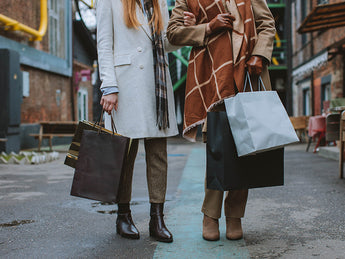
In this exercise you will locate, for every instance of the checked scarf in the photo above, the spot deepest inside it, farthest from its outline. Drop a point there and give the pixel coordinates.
(214, 73)
(160, 71)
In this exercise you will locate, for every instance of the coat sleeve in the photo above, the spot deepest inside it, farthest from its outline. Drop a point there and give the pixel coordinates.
(168, 47)
(105, 44)
(178, 34)
(265, 28)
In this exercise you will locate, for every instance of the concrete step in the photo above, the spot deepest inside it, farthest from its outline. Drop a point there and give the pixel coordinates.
(330, 152)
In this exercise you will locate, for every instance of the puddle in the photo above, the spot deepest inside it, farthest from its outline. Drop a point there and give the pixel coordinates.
(176, 155)
(133, 203)
(107, 211)
(16, 223)
(102, 210)
(96, 204)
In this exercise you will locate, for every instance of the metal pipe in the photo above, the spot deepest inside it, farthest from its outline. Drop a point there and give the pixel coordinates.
(37, 35)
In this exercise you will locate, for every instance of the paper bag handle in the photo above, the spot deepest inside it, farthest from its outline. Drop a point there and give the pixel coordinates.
(247, 80)
(98, 122)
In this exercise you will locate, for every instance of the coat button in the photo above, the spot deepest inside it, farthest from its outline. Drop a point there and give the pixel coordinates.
(141, 66)
(139, 49)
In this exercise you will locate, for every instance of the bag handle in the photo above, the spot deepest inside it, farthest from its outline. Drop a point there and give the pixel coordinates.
(262, 83)
(247, 80)
(98, 122)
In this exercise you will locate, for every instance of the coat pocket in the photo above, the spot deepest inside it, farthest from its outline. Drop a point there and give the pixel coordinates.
(122, 60)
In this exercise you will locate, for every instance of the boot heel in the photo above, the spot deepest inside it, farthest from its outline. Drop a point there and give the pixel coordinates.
(157, 227)
(124, 223)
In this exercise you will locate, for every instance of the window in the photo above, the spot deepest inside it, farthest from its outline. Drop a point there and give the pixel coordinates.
(56, 28)
(320, 2)
(325, 95)
(304, 9)
(83, 113)
(306, 102)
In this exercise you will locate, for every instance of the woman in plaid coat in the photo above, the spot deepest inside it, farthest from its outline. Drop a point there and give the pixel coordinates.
(229, 37)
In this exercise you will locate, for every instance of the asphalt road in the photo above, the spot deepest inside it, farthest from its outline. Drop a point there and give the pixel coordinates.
(303, 219)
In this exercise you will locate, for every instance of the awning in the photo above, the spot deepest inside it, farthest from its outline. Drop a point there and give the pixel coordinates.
(311, 65)
(323, 17)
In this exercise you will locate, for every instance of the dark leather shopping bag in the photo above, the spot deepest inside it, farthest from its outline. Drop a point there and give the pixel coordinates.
(99, 165)
(227, 171)
(73, 152)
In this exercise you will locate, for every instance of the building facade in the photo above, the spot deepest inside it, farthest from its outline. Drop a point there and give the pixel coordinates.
(53, 71)
(318, 55)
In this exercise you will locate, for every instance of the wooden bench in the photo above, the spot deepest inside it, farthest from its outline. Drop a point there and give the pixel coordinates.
(300, 124)
(50, 129)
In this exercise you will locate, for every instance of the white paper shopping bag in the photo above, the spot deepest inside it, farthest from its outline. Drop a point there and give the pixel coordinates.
(258, 121)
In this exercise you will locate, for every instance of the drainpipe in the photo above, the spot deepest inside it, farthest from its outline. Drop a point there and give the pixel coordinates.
(287, 24)
(312, 73)
(37, 35)
(343, 54)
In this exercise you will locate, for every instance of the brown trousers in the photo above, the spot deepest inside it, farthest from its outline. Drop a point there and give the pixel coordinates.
(156, 170)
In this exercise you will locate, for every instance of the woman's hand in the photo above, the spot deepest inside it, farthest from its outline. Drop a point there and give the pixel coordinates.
(255, 65)
(109, 102)
(189, 19)
(221, 22)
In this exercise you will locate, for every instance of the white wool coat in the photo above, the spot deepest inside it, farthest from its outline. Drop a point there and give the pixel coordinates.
(125, 60)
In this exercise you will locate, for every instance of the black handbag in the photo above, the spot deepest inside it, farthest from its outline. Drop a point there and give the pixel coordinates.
(226, 171)
(99, 166)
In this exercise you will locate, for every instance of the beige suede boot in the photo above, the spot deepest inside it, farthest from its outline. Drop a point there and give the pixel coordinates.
(210, 229)
(233, 228)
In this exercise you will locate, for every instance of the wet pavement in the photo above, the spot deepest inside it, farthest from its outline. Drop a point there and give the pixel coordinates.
(303, 219)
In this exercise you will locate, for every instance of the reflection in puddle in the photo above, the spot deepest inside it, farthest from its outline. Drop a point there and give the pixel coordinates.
(103, 210)
(107, 211)
(16, 223)
(176, 155)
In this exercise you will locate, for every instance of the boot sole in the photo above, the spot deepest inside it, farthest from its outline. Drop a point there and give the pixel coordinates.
(128, 236)
(208, 239)
(238, 238)
(164, 240)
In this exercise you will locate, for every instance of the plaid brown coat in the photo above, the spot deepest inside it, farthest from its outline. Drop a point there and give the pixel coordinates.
(211, 78)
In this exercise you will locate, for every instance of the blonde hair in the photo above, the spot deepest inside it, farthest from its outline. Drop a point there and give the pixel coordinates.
(131, 19)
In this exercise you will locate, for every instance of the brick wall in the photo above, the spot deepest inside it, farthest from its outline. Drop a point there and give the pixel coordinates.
(50, 97)
(50, 94)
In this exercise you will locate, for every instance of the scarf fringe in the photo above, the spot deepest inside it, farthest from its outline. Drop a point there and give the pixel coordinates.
(190, 127)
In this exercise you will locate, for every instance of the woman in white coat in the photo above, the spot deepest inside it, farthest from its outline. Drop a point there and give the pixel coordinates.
(137, 91)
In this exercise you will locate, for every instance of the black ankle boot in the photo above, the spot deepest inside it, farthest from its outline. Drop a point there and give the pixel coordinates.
(157, 227)
(124, 223)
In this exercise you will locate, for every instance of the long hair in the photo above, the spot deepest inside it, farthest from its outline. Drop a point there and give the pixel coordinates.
(131, 19)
